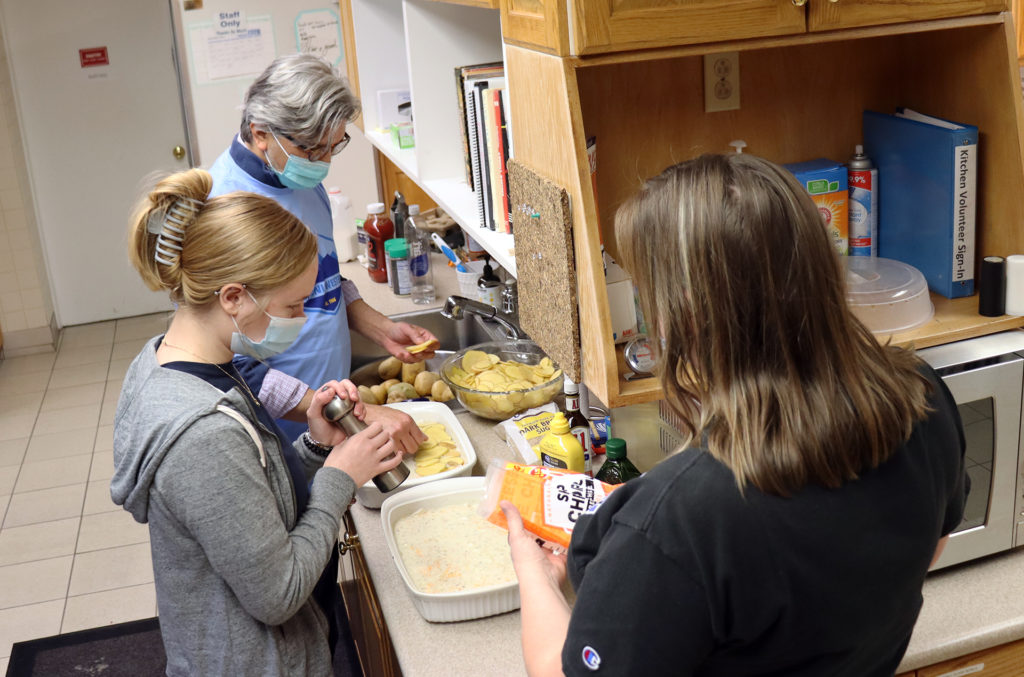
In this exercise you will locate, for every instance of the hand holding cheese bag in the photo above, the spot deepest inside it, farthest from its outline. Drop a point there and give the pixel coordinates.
(549, 500)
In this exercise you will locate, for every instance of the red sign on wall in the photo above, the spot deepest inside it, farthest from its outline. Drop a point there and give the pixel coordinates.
(93, 56)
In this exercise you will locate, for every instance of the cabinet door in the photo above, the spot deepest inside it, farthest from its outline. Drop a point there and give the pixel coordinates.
(1001, 661)
(538, 24)
(614, 25)
(825, 15)
(392, 178)
(366, 620)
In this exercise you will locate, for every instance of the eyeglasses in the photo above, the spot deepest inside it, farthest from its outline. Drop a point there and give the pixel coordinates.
(317, 153)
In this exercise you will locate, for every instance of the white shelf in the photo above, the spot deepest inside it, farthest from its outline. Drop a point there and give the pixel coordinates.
(455, 198)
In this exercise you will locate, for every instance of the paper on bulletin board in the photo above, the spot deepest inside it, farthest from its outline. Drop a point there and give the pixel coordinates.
(232, 47)
(318, 31)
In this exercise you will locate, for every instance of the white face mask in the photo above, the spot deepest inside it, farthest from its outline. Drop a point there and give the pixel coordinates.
(281, 333)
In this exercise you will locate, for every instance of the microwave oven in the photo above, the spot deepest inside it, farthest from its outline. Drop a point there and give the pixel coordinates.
(986, 377)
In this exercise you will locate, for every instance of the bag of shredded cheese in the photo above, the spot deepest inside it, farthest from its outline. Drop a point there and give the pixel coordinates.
(550, 500)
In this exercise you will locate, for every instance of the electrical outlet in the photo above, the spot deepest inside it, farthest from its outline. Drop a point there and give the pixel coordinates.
(721, 81)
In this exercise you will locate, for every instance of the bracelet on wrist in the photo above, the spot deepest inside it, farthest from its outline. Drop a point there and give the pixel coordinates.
(316, 447)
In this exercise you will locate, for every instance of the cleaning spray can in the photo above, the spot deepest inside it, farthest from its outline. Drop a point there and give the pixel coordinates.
(863, 182)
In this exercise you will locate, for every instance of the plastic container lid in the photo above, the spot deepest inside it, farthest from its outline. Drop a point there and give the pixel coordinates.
(396, 248)
(375, 207)
(887, 295)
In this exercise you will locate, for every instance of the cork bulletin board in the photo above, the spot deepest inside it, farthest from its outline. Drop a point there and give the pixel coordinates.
(545, 266)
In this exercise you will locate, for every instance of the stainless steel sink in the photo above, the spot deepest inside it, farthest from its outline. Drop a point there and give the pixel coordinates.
(453, 335)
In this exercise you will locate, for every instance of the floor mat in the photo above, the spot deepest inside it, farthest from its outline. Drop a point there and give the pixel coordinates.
(132, 649)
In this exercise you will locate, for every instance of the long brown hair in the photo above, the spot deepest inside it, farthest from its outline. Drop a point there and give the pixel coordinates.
(761, 355)
(236, 237)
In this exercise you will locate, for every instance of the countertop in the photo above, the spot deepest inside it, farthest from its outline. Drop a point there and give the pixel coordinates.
(487, 646)
(967, 608)
(379, 296)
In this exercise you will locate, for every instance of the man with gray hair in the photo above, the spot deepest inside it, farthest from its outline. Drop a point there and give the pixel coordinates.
(293, 123)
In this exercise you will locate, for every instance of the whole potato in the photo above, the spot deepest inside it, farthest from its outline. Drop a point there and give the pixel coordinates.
(424, 382)
(380, 393)
(367, 396)
(390, 382)
(400, 392)
(411, 371)
(440, 392)
(389, 368)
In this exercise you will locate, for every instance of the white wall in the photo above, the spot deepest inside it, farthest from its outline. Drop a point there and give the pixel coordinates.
(26, 309)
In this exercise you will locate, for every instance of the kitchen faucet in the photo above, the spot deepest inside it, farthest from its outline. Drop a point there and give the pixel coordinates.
(457, 307)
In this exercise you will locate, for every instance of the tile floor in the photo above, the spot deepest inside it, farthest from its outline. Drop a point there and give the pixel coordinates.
(69, 558)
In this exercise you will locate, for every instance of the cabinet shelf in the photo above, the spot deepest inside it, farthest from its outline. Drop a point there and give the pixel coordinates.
(455, 198)
(416, 45)
(954, 320)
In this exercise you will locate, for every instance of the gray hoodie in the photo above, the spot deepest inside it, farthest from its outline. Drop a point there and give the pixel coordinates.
(234, 567)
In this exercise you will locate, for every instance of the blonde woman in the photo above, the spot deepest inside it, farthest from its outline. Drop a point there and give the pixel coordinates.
(242, 523)
(822, 474)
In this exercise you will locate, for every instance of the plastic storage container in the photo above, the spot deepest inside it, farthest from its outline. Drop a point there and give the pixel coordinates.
(345, 239)
(888, 296)
(397, 255)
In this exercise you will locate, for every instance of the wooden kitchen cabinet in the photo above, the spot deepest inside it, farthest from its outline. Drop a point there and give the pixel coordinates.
(802, 97)
(599, 26)
(826, 15)
(802, 93)
(369, 630)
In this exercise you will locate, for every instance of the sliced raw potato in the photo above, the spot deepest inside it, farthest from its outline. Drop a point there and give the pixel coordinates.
(420, 347)
(438, 453)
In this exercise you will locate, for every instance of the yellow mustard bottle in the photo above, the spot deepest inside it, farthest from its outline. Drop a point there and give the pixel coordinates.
(560, 448)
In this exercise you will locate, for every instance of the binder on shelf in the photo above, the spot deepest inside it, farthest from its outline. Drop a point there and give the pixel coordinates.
(496, 160)
(504, 147)
(927, 174)
(484, 199)
(462, 74)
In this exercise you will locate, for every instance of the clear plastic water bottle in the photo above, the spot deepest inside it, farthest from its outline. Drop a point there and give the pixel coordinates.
(419, 258)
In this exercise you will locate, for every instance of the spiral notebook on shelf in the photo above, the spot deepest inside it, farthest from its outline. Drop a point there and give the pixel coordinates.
(927, 195)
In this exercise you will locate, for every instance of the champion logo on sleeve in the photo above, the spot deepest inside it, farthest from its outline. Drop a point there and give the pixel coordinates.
(591, 659)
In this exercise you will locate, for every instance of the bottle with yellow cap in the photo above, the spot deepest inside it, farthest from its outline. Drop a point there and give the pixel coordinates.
(559, 448)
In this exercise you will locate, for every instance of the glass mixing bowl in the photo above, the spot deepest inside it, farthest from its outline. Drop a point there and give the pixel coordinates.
(501, 403)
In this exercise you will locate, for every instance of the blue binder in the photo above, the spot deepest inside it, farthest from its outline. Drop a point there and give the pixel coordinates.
(927, 176)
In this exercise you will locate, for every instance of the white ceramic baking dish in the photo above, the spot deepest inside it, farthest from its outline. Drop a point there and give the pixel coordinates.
(424, 412)
(449, 606)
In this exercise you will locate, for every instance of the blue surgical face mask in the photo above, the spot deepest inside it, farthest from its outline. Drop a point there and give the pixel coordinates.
(281, 333)
(299, 172)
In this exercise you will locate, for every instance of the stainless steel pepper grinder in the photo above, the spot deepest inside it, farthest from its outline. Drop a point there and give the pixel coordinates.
(339, 412)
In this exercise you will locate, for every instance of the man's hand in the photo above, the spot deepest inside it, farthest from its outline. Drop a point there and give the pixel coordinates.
(401, 335)
(395, 337)
(404, 432)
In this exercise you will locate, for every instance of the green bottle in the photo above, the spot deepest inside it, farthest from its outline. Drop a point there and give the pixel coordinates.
(617, 468)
